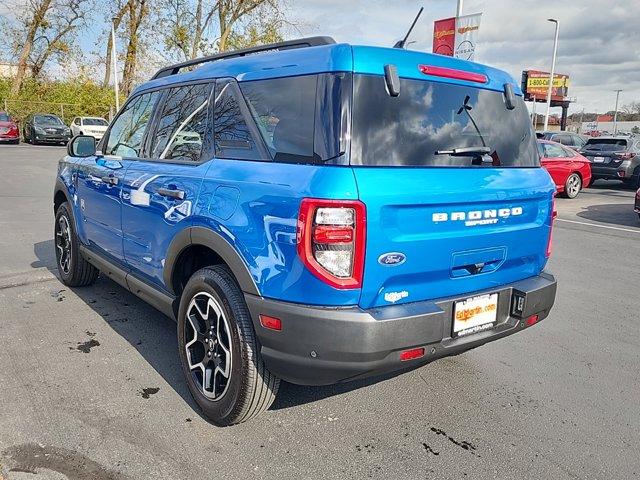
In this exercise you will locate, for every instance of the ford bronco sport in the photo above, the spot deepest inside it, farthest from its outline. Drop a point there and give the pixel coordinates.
(314, 212)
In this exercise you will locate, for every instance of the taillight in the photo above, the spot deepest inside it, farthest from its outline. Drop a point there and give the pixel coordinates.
(452, 73)
(554, 214)
(331, 240)
(625, 155)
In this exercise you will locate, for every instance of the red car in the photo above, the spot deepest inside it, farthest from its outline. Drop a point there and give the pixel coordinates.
(8, 129)
(570, 171)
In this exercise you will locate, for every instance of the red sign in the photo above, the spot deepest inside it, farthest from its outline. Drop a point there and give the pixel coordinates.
(444, 34)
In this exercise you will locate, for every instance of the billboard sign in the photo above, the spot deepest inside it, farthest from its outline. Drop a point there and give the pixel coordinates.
(456, 37)
(535, 84)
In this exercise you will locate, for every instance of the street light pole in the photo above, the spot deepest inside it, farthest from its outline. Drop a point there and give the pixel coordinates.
(115, 63)
(553, 68)
(615, 113)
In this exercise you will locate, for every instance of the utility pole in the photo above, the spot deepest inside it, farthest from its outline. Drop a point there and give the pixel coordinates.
(615, 113)
(115, 63)
(459, 9)
(553, 68)
(535, 117)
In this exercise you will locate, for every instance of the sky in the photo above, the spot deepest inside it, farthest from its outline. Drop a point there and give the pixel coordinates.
(598, 47)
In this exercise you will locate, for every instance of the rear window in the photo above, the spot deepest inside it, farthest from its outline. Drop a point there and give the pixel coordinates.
(428, 118)
(606, 144)
(4, 117)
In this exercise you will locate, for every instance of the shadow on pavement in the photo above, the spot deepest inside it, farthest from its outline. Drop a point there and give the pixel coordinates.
(154, 336)
(613, 213)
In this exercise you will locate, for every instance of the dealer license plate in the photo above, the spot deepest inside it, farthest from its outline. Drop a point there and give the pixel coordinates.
(475, 314)
(598, 159)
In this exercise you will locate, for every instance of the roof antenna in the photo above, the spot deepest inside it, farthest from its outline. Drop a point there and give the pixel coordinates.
(403, 42)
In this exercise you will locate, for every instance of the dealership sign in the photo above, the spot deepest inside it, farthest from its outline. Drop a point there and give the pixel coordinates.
(536, 83)
(456, 37)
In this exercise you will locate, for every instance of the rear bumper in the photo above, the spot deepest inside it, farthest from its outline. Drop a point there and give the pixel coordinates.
(323, 345)
(613, 173)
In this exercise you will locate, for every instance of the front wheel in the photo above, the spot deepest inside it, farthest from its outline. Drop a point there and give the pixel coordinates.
(572, 186)
(219, 351)
(74, 270)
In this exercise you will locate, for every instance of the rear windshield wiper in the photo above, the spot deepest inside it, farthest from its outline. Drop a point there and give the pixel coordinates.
(465, 152)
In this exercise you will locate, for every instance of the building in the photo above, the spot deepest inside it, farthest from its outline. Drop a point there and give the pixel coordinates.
(606, 127)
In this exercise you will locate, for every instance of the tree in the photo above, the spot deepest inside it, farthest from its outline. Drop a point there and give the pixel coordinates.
(136, 13)
(42, 29)
(201, 27)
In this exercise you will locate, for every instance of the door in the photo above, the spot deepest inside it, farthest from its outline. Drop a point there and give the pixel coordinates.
(555, 161)
(99, 178)
(159, 192)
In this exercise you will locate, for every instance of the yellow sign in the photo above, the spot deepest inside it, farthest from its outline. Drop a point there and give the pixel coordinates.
(537, 82)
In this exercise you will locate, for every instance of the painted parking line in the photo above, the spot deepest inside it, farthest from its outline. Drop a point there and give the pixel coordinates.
(599, 226)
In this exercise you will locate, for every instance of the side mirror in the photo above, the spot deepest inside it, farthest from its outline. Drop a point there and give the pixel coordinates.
(82, 146)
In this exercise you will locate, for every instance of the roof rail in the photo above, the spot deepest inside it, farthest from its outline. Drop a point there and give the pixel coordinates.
(287, 45)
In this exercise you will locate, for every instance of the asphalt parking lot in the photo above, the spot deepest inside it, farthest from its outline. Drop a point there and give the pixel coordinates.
(91, 387)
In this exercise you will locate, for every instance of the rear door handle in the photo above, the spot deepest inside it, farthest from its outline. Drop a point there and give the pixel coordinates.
(110, 180)
(171, 193)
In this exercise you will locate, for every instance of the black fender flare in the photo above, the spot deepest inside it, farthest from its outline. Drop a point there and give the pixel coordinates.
(216, 242)
(60, 187)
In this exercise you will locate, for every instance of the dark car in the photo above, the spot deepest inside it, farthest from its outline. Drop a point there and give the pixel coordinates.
(637, 204)
(614, 158)
(8, 129)
(45, 128)
(568, 139)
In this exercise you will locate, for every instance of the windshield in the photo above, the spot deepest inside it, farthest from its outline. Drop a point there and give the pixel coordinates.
(4, 117)
(95, 122)
(428, 119)
(606, 144)
(47, 120)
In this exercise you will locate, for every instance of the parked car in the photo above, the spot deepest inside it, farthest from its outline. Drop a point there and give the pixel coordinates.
(303, 216)
(45, 128)
(570, 171)
(637, 203)
(570, 139)
(94, 126)
(614, 158)
(8, 129)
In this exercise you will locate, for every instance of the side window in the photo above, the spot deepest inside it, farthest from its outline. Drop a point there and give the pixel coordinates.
(568, 152)
(233, 134)
(563, 139)
(284, 110)
(127, 132)
(553, 151)
(76, 121)
(182, 127)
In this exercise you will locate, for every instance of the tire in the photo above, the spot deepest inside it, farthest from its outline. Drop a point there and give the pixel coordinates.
(74, 270)
(16, 141)
(572, 185)
(212, 296)
(26, 138)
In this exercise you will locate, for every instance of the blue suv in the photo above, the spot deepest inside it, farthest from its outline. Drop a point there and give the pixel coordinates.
(314, 212)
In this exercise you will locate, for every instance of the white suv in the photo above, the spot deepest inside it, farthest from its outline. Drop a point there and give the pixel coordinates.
(94, 126)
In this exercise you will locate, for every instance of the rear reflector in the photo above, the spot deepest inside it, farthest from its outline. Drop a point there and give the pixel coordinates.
(412, 354)
(621, 174)
(272, 323)
(452, 73)
(533, 319)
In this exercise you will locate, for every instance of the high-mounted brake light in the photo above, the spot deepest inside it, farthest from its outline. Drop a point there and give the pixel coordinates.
(554, 214)
(331, 240)
(453, 73)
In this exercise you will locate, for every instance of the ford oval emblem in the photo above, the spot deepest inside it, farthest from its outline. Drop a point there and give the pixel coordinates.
(392, 259)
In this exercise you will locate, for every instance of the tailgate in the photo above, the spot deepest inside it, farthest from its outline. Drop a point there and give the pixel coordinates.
(439, 232)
